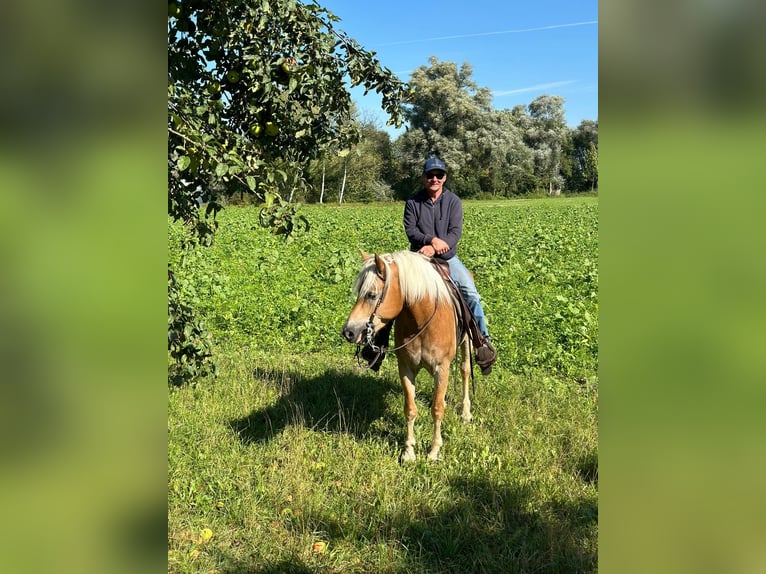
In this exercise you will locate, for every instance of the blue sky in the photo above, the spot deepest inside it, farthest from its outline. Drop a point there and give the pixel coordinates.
(519, 50)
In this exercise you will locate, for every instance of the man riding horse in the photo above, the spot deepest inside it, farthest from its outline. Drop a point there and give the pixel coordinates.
(433, 221)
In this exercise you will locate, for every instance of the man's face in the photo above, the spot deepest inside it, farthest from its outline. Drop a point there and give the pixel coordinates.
(434, 181)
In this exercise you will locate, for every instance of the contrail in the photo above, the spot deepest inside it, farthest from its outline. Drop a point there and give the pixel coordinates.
(533, 88)
(588, 23)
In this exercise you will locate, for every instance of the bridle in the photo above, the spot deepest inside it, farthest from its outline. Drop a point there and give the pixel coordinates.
(370, 326)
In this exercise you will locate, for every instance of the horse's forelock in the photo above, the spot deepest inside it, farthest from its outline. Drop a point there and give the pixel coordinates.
(366, 280)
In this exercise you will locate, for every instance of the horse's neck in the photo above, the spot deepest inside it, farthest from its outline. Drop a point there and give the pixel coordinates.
(421, 311)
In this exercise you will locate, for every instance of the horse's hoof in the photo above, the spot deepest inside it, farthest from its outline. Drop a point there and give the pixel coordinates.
(408, 456)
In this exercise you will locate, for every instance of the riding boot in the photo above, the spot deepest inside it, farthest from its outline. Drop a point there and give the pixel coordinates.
(486, 355)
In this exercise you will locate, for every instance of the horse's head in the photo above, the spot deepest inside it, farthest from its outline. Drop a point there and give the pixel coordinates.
(379, 298)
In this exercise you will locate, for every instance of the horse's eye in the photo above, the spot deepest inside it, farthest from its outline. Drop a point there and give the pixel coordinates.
(371, 295)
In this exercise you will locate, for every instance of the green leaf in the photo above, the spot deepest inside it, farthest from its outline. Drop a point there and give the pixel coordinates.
(250, 182)
(221, 169)
(183, 162)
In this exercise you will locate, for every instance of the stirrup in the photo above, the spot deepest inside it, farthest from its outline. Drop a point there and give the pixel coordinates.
(486, 356)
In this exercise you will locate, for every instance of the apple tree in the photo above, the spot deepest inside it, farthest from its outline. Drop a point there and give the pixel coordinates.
(256, 89)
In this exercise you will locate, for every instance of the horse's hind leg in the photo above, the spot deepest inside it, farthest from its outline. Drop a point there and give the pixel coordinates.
(465, 372)
(407, 378)
(441, 382)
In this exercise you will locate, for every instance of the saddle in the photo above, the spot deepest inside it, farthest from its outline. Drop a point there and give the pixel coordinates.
(466, 323)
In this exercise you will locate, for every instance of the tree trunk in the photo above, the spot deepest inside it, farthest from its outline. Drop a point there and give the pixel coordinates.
(342, 185)
(321, 194)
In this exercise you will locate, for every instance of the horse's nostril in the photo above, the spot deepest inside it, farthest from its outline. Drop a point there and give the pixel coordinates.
(348, 334)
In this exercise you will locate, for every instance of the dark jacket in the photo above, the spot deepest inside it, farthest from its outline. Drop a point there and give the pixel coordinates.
(424, 220)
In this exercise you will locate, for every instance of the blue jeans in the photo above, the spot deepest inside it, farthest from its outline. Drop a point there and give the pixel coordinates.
(462, 277)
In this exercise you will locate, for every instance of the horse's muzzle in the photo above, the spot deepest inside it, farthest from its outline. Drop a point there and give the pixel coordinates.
(351, 335)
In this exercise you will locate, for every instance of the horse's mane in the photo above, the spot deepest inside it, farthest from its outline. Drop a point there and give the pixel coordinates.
(417, 277)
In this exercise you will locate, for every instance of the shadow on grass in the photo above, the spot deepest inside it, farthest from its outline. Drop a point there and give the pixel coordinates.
(291, 566)
(483, 527)
(334, 401)
(499, 529)
(283, 567)
(488, 528)
(587, 468)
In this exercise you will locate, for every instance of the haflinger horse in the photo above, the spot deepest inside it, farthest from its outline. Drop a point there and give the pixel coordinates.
(404, 287)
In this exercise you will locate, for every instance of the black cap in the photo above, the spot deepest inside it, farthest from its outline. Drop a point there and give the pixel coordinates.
(433, 164)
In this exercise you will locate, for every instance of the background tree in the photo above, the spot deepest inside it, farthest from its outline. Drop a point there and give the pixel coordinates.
(546, 134)
(489, 152)
(590, 165)
(585, 156)
(256, 89)
(516, 172)
(447, 114)
(370, 165)
(363, 173)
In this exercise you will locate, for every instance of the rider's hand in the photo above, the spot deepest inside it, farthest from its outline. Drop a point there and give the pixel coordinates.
(440, 246)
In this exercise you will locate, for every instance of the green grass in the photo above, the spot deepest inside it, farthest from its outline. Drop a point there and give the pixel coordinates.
(292, 444)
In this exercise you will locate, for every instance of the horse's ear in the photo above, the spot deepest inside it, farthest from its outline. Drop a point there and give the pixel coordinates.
(365, 256)
(381, 265)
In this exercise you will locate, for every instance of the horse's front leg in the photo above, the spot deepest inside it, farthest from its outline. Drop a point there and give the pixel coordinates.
(407, 377)
(441, 382)
(465, 371)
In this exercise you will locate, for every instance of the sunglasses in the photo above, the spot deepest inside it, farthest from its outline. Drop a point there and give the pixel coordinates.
(435, 175)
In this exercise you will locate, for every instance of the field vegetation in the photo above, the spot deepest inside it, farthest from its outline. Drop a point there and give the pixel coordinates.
(287, 460)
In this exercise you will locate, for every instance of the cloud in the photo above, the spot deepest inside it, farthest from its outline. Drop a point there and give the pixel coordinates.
(478, 34)
(535, 88)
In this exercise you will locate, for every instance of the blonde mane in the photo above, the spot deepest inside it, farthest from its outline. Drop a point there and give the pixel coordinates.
(417, 277)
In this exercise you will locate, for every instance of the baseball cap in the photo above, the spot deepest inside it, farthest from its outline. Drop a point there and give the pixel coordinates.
(433, 164)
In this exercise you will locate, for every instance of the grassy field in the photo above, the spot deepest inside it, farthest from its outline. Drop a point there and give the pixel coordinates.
(288, 460)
